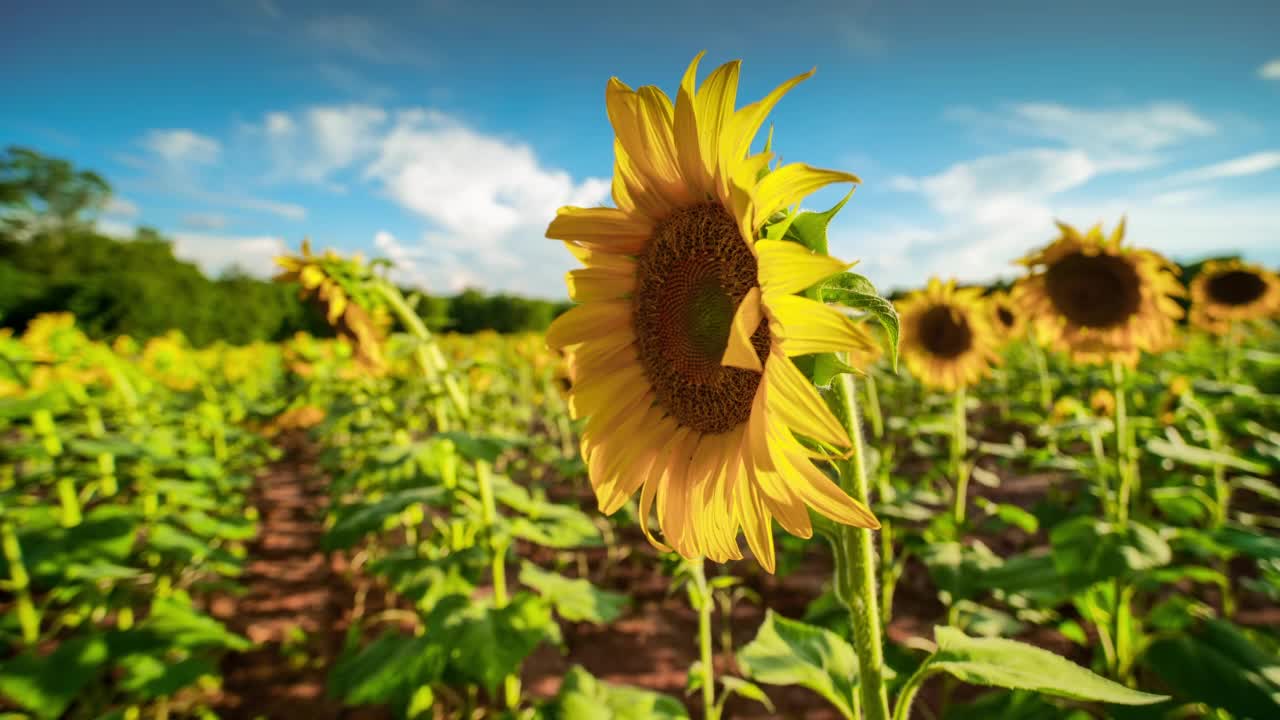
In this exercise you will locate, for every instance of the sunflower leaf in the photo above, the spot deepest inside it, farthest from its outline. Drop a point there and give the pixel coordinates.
(855, 291)
(1010, 664)
(789, 652)
(810, 228)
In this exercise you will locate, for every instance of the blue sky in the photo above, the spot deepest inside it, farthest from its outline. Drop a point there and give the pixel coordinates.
(445, 133)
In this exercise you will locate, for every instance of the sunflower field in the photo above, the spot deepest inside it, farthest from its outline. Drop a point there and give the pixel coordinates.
(1055, 498)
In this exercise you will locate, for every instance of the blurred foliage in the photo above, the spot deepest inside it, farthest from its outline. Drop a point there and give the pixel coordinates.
(53, 259)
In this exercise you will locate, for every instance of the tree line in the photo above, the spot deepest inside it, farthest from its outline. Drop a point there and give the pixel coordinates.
(53, 259)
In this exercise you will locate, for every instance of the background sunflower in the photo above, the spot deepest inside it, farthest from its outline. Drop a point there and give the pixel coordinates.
(948, 340)
(1006, 318)
(1232, 291)
(1097, 300)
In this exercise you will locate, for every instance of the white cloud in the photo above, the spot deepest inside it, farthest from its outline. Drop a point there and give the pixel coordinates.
(320, 141)
(205, 221)
(475, 187)
(1252, 164)
(992, 210)
(1119, 138)
(182, 148)
(1270, 70)
(217, 253)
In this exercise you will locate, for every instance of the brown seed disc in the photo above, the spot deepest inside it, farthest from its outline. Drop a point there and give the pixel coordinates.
(1094, 291)
(1005, 315)
(690, 279)
(1236, 287)
(944, 332)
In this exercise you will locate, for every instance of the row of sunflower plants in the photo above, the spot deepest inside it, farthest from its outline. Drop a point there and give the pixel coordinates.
(1133, 545)
(123, 512)
(461, 572)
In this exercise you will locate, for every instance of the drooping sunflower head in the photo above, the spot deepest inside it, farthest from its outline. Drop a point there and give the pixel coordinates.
(1097, 299)
(335, 285)
(680, 347)
(948, 340)
(1008, 321)
(1230, 291)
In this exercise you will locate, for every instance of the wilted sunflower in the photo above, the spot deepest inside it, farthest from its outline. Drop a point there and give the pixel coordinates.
(328, 280)
(1230, 291)
(1097, 300)
(948, 340)
(687, 321)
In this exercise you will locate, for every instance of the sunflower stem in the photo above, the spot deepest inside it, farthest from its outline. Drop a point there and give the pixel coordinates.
(1046, 389)
(1123, 451)
(855, 562)
(19, 584)
(705, 606)
(498, 548)
(959, 446)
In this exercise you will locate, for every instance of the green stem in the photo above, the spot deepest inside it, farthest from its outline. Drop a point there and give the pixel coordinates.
(1123, 449)
(20, 584)
(959, 446)
(907, 695)
(498, 550)
(855, 571)
(704, 640)
(428, 355)
(873, 407)
(1045, 386)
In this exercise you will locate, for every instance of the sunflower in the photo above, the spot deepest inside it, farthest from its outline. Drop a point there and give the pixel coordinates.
(331, 282)
(687, 321)
(1097, 300)
(1230, 291)
(1008, 322)
(948, 340)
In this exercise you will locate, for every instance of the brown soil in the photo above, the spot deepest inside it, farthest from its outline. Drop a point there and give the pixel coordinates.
(292, 589)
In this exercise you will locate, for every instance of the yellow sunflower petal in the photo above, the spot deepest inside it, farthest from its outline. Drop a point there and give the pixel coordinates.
(808, 326)
(586, 322)
(788, 267)
(715, 101)
(607, 229)
(739, 352)
(741, 129)
(817, 490)
(789, 185)
(756, 525)
(795, 401)
(686, 130)
(589, 284)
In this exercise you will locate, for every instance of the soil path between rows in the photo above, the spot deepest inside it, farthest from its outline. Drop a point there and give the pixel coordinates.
(293, 601)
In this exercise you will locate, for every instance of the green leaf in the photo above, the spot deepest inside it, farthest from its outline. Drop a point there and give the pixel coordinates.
(997, 662)
(387, 669)
(1220, 667)
(810, 228)
(575, 600)
(1087, 551)
(826, 366)
(150, 677)
(359, 519)
(46, 686)
(1202, 457)
(555, 526)
(583, 697)
(1252, 543)
(491, 643)
(855, 291)
(480, 447)
(183, 626)
(789, 652)
(749, 690)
